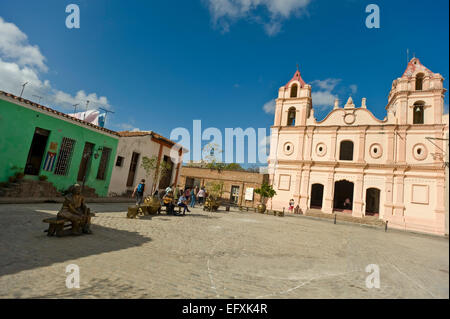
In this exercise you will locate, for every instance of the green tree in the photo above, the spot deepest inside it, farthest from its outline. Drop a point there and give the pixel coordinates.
(234, 167)
(215, 190)
(150, 165)
(265, 191)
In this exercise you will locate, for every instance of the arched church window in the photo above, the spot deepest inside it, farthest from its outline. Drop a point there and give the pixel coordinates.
(419, 81)
(294, 89)
(346, 151)
(291, 117)
(418, 113)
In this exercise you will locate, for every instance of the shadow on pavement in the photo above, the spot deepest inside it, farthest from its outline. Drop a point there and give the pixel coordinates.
(24, 244)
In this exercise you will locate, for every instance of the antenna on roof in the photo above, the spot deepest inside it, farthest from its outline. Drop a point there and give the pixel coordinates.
(87, 103)
(40, 97)
(106, 111)
(23, 88)
(297, 66)
(75, 108)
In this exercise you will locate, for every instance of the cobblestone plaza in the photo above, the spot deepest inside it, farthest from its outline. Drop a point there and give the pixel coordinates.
(215, 255)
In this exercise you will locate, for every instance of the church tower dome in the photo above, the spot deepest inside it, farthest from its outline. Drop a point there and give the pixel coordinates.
(417, 97)
(293, 105)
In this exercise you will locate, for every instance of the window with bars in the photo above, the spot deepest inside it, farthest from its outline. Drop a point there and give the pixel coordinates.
(64, 156)
(101, 173)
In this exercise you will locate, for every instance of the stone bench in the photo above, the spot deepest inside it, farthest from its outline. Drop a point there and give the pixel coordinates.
(58, 225)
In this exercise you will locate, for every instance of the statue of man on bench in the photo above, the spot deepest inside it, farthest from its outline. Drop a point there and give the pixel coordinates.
(75, 210)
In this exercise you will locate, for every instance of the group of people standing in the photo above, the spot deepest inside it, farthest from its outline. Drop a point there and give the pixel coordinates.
(185, 198)
(188, 196)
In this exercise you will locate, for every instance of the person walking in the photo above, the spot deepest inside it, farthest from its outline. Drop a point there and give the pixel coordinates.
(139, 192)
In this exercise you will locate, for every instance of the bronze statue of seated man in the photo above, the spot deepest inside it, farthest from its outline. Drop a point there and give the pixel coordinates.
(75, 210)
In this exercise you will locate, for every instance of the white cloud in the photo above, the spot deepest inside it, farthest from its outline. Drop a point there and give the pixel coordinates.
(14, 47)
(21, 62)
(323, 99)
(270, 13)
(269, 107)
(354, 88)
(125, 126)
(327, 85)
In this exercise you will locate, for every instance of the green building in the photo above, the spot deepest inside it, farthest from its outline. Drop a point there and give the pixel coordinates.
(37, 140)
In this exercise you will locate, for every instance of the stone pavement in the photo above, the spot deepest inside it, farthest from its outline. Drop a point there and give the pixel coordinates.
(215, 255)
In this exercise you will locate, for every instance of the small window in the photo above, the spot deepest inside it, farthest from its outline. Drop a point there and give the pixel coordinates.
(294, 89)
(101, 173)
(64, 156)
(119, 161)
(346, 151)
(418, 116)
(419, 81)
(291, 117)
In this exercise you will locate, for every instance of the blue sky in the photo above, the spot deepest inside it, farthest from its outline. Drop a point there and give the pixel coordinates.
(161, 64)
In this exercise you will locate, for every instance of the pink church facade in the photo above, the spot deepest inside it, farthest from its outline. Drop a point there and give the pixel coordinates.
(355, 163)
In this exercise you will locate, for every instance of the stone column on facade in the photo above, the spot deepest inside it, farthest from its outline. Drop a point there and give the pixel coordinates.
(328, 194)
(438, 109)
(304, 188)
(333, 145)
(390, 151)
(402, 111)
(308, 144)
(278, 113)
(399, 204)
(297, 184)
(362, 144)
(438, 147)
(401, 146)
(300, 144)
(440, 206)
(358, 203)
(389, 196)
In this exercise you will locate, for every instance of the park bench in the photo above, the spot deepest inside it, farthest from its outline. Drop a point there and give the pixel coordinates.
(57, 225)
(164, 208)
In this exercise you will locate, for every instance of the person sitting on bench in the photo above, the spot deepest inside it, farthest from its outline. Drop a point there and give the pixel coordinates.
(182, 202)
(168, 202)
(75, 210)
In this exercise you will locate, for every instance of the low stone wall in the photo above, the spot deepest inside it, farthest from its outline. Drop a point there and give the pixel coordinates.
(29, 189)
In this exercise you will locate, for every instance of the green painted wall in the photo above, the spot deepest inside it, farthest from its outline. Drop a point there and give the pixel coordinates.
(17, 127)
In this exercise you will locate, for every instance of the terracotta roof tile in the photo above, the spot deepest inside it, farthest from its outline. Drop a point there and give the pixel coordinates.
(121, 134)
(296, 77)
(45, 108)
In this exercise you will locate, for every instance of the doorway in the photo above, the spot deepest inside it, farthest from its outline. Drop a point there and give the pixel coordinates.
(316, 196)
(85, 159)
(373, 202)
(36, 153)
(133, 168)
(234, 194)
(166, 178)
(343, 196)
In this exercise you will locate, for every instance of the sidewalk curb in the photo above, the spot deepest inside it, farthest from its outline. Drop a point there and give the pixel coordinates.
(14, 200)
